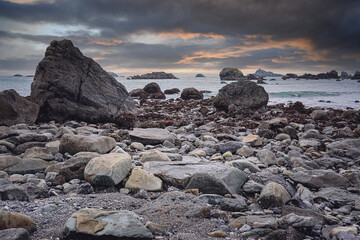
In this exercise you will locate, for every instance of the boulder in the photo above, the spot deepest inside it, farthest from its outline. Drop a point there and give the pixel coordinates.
(16, 109)
(231, 74)
(9, 191)
(108, 170)
(151, 136)
(8, 161)
(319, 179)
(16, 220)
(174, 205)
(153, 91)
(140, 179)
(172, 91)
(241, 95)
(80, 143)
(154, 155)
(99, 224)
(38, 152)
(14, 234)
(191, 93)
(267, 157)
(69, 86)
(273, 195)
(137, 92)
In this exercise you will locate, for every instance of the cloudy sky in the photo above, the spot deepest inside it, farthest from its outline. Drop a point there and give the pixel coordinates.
(186, 36)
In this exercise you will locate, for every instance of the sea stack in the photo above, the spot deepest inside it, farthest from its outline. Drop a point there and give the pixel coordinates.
(231, 74)
(70, 86)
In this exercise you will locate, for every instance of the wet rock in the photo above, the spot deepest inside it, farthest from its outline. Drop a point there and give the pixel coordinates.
(150, 136)
(140, 179)
(16, 220)
(14, 234)
(319, 179)
(108, 170)
(69, 86)
(16, 109)
(174, 205)
(241, 96)
(191, 93)
(273, 195)
(80, 143)
(94, 223)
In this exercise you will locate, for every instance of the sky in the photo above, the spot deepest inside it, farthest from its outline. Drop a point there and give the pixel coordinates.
(186, 36)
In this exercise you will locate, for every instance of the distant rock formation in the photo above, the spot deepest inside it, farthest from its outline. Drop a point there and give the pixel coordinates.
(29, 75)
(200, 75)
(329, 75)
(113, 74)
(155, 75)
(289, 75)
(344, 75)
(356, 75)
(263, 73)
(241, 96)
(231, 74)
(70, 86)
(16, 109)
(18, 75)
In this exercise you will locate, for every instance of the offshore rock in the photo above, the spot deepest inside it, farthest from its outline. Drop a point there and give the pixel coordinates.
(231, 74)
(69, 86)
(155, 75)
(15, 109)
(241, 95)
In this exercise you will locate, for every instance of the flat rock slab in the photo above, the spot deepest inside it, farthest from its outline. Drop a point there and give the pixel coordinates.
(176, 205)
(151, 136)
(80, 143)
(333, 193)
(95, 224)
(320, 179)
(208, 178)
(30, 165)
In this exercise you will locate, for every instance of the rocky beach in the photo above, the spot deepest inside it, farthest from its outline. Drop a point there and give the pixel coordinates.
(81, 158)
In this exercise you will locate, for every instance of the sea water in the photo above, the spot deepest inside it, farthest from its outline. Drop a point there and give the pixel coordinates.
(327, 93)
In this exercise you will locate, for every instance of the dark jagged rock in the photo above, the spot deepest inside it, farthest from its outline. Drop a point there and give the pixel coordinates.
(191, 93)
(200, 75)
(155, 75)
(231, 74)
(241, 95)
(70, 86)
(172, 91)
(15, 109)
(263, 73)
(153, 90)
(137, 92)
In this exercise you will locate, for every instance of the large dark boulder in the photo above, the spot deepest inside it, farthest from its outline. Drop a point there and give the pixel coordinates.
(231, 74)
(241, 95)
(154, 91)
(16, 109)
(70, 86)
(191, 93)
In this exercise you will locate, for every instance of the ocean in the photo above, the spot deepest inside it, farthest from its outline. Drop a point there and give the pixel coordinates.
(327, 93)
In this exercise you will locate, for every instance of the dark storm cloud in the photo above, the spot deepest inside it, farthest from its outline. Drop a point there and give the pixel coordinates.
(332, 26)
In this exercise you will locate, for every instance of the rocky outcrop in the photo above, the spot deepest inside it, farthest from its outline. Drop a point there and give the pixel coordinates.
(191, 93)
(329, 75)
(15, 109)
(231, 74)
(356, 75)
(263, 73)
(344, 75)
(155, 75)
(70, 86)
(199, 75)
(241, 96)
(289, 75)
